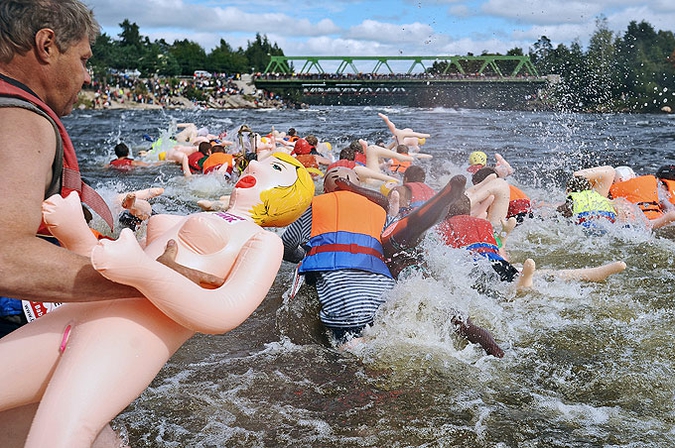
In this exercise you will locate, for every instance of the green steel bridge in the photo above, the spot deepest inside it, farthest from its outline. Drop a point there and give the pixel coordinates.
(488, 81)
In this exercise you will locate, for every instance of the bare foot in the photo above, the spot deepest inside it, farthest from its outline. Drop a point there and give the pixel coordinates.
(526, 275)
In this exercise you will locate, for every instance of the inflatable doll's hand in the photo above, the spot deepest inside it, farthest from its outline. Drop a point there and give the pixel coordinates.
(65, 220)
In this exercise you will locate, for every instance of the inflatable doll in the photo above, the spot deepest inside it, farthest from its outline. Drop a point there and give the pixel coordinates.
(85, 362)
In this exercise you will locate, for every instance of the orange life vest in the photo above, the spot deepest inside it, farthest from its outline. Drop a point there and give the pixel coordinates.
(216, 160)
(307, 160)
(345, 234)
(641, 190)
(670, 187)
(70, 179)
(398, 166)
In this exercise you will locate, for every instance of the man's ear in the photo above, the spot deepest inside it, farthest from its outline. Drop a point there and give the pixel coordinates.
(45, 44)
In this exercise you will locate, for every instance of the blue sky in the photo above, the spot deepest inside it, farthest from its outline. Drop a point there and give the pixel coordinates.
(391, 27)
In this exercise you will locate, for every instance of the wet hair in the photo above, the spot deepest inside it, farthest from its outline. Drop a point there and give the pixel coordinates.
(205, 147)
(577, 184)
(291, 132)
(402, 149)
(121, 150)
(460, 206)
(312, 140)
(71, 21)
(480, 175)
(347, 153)
(356, 146)
(414, 173)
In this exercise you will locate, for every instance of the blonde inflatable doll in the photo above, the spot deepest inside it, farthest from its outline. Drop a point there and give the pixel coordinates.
(85, 362)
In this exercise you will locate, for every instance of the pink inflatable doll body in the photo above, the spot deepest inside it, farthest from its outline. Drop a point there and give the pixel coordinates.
(84, 363)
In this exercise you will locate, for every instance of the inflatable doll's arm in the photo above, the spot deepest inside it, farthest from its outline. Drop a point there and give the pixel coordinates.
(65, 220)
(205, 310)
(365, 173)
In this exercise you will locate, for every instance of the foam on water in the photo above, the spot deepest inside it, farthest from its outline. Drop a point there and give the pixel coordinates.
(586, 364)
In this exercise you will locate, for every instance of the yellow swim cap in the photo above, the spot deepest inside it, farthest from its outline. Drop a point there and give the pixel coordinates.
(421, 141)
(386, 187)
(162, 155)
(477, 158)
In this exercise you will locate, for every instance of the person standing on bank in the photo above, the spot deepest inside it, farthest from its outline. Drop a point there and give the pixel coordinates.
(44, 48)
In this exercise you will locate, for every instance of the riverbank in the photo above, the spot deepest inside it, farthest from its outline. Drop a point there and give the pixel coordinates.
(247, 96)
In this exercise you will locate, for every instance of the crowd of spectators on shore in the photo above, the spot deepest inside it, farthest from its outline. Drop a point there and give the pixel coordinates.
(202, 91)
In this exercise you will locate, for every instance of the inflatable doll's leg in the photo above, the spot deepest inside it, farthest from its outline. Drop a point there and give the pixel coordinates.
(596, 274)
(112, 354)
(491, 186)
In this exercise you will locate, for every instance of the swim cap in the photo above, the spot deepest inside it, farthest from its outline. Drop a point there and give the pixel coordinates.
(477, 158)
(339, 172)
(302, 147)
(421, 141)
(386, 187)
(623, 173)
(162, 155)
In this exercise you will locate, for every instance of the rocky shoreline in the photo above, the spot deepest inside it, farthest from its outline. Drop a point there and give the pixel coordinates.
(250, 98)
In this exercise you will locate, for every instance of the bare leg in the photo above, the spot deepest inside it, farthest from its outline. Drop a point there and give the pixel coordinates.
(596, 274)
(491, 186)
(64, 218)
(662, 220)
(15, 424)
(502, 167)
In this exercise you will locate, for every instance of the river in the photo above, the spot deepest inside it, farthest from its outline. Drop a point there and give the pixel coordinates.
(586, 364)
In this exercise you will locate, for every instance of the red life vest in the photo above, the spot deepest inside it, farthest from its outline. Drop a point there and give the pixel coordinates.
(474, 234)
(196, 161)
(518, 202)
(419, 193)
(342, 162)
(124, 164)
(70, 175)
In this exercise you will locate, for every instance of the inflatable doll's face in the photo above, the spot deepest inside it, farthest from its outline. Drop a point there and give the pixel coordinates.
(273, 191)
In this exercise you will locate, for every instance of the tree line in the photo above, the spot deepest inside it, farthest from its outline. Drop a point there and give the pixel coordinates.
(631, 71)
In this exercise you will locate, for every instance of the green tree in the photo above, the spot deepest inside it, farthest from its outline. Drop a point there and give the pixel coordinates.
(189, 55)
(223, 59)
(259, 51)
(131, 46)
(602, 74)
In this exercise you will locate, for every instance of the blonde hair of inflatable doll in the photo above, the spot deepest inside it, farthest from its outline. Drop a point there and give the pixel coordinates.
(281, 206)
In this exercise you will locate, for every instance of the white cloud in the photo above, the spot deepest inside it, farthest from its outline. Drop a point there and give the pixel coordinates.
(543, 11)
